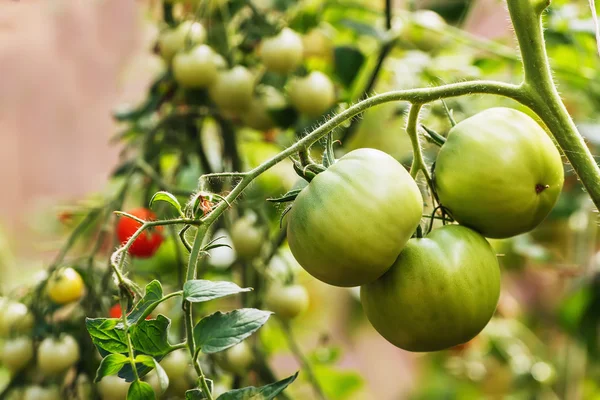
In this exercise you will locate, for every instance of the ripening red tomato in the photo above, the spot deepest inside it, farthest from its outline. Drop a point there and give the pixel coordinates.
(148, 242)
(115, 312)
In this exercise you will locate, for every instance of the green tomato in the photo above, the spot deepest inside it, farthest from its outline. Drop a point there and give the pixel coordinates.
(283, 52)
(113, 388)
(347, 227)
(312, 95)
(176, 363)
(233, 89)
(15, 318)
(441, 291)
(424, 30)
(42, 393)
(499, 173)
(56, 355)
(196, 68)
(173, 40)
(287, 302)
(247, 238)
(17, 353)
(237, 359)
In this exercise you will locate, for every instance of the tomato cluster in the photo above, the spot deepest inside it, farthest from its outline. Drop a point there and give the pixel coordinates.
(234, 88)
(498, 175)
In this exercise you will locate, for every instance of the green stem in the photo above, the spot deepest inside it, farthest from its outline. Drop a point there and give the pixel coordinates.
(302, 360)
(542, 96)
(411, 129)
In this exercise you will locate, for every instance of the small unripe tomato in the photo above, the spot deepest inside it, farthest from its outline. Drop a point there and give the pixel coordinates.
(56, 355)
(42, 393)
(172, 40)
(17, 353)
(423, 30)
(15, 318)
(233, 89)
(282, 53)
(196, 68)
(237, 359)
(65, 286)
(247, 238)
(317, 44)
(113, 388)
(148, 242)
(287, 302)
(313, 94)
(176, 363)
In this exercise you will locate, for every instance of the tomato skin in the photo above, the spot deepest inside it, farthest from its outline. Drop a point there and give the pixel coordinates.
(15, 318)
(488, 171)
(42, 393)
(283, 52)
(115, 312)
(287, 302)
(423, 30)
(177, 363)
(233, 89)
(148, 242)
(313, 94)
(17, 353)
(247, 238)
(56, 355)
(441, 291)
(173, 40)
(347, 227)
(65, 286)
(113, 388)
(196, 68)
(237, 359)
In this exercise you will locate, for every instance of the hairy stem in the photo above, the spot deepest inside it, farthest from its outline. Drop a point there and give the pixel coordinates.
(542, 96)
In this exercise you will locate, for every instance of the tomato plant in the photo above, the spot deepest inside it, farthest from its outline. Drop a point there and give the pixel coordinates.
(282, 53)
(113, 388)
(65, 286)
(232, 91)
(196, 68)
(17, 353)
(344, 251)
(247, 238)
(55, 355)
(312, 95)
(518, 178)
(147, 243)
(287, 302)
(421, 304)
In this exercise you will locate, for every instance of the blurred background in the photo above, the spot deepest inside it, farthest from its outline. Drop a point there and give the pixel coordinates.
(66, 66)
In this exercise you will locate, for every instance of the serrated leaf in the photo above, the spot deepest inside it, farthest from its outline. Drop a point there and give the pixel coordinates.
(150, 336)
(140, 391)
(348, 62)
(110, 365)
(169, 198)
(105, 335)
(195, 394)
(267, 392)
(289, 196)
(197, 291)
(220, 331)
(148, 303)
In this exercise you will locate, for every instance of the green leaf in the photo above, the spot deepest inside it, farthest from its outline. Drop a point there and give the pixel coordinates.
(110, 365)
(338, 384)
(150, 336)
(144, 307)
(169, 198)
(267, 392)
(195, 394)
(151, 362)
(362, 28)
(140, 391)
(198, 291)
(105, 334)
(220, 331)
(289, 196)
(348, 62)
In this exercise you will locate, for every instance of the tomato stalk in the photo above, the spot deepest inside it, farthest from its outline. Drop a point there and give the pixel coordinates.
(542, 96)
